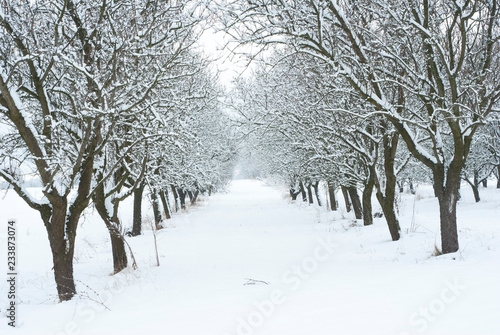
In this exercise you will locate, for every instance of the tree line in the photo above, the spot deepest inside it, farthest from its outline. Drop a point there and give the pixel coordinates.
(371, 95)
(100, 100)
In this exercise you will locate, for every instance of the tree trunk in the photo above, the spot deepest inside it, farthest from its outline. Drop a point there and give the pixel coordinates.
(191, 196)
(294, 192)
(356, 203)
(182, 198)
(176, 197)
(309, 194)
(412, 188)
(367, 200)
(498, 176)
(113, 224)
(303, 191)
(195, 196)
(120, 260)
(316, 192)
(331, 194)
(156, 209)
(345, 193)
(475, 188)
(166, 204)
(62, 247)
(137, 219)
(401, 186)
(447, 193)
(387, 200)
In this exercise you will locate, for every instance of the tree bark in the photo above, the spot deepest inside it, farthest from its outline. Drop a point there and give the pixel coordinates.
(62, 246)
(156, 209)
(120, 260)
(356, 203)
(331, 194)
(113, 224)
(166, 204)
(303, 191)
(316, 192)
(309, 194)
(182, 197)
(401, 186)
(176, 197)
(196, 194)
(447, 194)
(387, 200)
(367, 200)
(345, 193)
(137, 218)
(474, 184)
(498, 176)
(191, 196)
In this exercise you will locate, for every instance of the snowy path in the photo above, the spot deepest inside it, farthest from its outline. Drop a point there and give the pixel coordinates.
(324, 277)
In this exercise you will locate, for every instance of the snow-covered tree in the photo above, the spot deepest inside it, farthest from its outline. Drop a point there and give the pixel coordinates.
(441, 55)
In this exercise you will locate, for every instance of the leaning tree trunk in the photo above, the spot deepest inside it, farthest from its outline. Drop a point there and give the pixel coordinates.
(310, 194)
(474, 184)
(367, 200)
(331, 194)
(120, 260)
(387, 200)
(137, 216)
(316, 192)
(113, 224)
(166, 204)
(356, 203)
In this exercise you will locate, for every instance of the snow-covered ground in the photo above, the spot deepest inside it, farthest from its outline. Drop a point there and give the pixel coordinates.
(250, 261)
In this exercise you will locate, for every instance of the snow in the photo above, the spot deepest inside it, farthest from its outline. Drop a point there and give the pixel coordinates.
(325, 272)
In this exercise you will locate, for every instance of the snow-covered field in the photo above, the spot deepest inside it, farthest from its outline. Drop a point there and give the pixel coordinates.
(250, 261)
